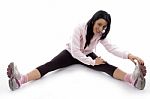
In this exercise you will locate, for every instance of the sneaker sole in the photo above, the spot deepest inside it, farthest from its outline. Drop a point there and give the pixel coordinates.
(13, 84)
(143, 80)
(11, 69)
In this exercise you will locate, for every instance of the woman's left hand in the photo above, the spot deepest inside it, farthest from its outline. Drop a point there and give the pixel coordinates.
(135, 58)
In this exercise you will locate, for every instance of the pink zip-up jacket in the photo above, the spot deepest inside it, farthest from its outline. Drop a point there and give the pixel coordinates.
(77, 43)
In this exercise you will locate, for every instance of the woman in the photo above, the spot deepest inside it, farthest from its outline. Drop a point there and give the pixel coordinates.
(79, 51)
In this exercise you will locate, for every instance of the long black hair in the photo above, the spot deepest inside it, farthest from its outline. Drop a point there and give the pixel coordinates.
(98, 15)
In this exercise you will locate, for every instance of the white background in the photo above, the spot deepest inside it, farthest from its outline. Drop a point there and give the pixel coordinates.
(32, 32)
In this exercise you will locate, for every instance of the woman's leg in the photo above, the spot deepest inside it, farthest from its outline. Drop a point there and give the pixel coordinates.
(63, 59)
(136, 78)
(33, 75)
(107, 68)
(119, 74)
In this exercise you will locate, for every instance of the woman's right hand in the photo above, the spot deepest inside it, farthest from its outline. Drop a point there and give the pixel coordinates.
(99, 61)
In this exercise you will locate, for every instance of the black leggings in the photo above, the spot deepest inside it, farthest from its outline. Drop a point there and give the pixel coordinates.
(65, 59)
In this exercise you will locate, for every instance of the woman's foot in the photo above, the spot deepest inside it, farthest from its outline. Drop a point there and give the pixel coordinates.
(14, 76)
(137, 77)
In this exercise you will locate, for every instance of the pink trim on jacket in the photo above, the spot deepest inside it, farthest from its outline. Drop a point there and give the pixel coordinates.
(77, 43)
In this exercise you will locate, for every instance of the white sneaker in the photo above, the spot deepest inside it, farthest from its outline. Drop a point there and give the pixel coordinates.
(14, 76)
(137, 76)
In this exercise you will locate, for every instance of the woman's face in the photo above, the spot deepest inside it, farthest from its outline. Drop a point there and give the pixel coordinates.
(99, 26)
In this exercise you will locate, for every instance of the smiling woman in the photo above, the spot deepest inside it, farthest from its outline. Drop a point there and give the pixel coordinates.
(80, 51)
(99, 26)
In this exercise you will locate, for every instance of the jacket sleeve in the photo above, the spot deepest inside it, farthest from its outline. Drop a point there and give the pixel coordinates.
(114, 49)
(75, 49)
